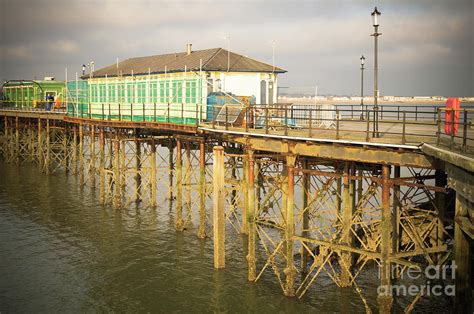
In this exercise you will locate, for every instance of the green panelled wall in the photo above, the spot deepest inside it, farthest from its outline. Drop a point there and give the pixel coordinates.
(176, 100)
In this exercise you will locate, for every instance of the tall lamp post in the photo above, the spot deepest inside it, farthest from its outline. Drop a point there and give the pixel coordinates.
(376, 34)
(362, 59)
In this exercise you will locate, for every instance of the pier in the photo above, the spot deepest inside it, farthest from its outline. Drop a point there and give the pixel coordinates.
(315, 190)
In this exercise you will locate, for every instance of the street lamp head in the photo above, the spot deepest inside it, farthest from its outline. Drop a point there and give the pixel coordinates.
(375, 15)
(362, 59)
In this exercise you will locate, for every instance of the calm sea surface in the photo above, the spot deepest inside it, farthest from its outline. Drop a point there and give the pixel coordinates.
(61, 251)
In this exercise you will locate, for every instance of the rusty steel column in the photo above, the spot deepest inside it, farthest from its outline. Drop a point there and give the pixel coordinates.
(138, 169)
(305, 233)
(153, 173)
(202, 191)
(440, 201)
(187, 179)
(245, 191)
(385, 298)
(117, 199)
(171, 168)
(17, 140)
(396, 215)
(251, 259)
(347, 237)
(92, 153)
(74, 150)
(288, 188)
(48, 148)
(40, 143)
(81, 154)
(179, 187)
(123, 163)
(65, 148)
(101, 166)
(218, 213)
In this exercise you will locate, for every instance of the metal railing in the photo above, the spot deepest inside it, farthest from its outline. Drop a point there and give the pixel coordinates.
(397, 124)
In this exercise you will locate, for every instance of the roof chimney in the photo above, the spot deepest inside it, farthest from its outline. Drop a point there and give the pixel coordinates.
(188, 49)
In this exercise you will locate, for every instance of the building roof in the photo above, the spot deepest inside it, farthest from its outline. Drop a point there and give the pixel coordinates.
(212, 60)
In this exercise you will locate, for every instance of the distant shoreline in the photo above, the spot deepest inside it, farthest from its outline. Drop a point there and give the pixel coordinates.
(366, 102)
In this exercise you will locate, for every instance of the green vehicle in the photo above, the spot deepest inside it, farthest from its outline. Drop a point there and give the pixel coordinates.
(45, 94)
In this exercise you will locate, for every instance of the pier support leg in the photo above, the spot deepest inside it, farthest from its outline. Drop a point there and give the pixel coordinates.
(138, 169)
(179, 187)
(66, 149)
(245, 192)
(251, 259)
(347, 236)
(123, 163)
(202, 191)
(81, 155)
(153, 173)
(74, 150)
(440, 201)
(40, 154)
(305, 229)
(92, 153)
(171, 169)
(288, 184)
(117, 200)
(385, 298)
(102, 166)
(218, 207)
(187, 180)
(396, 217)
(48, 148)
(17, 140)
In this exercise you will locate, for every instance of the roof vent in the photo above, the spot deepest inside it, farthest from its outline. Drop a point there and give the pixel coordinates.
(49, 78)
(189, 49)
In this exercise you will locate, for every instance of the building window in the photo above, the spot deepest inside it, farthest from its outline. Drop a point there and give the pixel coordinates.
(191, 91)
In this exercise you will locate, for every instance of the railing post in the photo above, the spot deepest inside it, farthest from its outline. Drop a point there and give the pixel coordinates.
(154, 111)
(131, 112)
(247, 119)
(109, 113)
(266, 119)
(381, 112)
(143, 110)
(119, 112)
(310, 133)
(226, 117)
(439, 127)
(197, 116)
(213, 117)
(102, 111)
(452, 128)
(352, 111)
(337, 124)
(286, 120)
(367, 136)
(464, 135)
(416, 113)
(398, 113)
(404, 126)
(182, 113)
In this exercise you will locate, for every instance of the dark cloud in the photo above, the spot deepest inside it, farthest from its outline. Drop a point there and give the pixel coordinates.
(426, 47)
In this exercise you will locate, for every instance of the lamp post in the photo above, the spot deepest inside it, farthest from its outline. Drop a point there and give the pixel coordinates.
(376, 34)
(362, 59)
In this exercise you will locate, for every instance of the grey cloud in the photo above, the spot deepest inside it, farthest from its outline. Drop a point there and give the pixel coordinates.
(318, 42)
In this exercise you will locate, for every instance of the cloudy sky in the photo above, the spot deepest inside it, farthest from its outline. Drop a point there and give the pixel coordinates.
(426, 47)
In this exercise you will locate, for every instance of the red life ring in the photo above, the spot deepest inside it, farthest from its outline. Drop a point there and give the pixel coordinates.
(452, 108)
